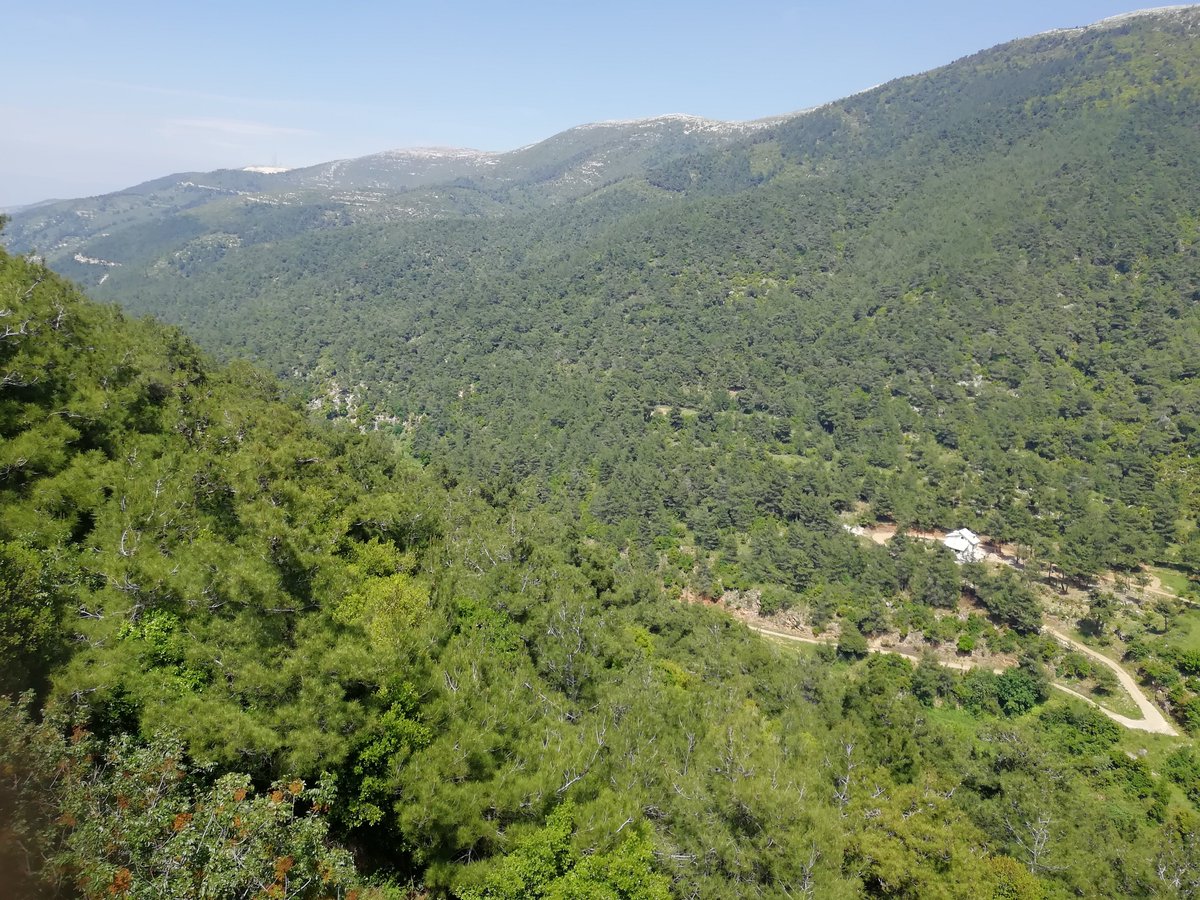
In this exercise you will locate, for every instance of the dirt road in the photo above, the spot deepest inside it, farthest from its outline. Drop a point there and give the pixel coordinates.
(961, 665)
(1152, 719)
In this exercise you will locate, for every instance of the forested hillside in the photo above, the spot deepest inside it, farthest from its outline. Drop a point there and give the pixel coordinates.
(275, 657)
(963, 298)
(432, 614)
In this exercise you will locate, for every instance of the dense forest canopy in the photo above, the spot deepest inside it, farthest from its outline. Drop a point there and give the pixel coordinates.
(411, 620)
(963, 298)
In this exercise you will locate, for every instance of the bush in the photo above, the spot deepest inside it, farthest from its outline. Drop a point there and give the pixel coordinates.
(1081, 729)
(121, 816)
(1017, 692)
(1106, 680)
(1075, 665)
(776, 599)
(852, 644)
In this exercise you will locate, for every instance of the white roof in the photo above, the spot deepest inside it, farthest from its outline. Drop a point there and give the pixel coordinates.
(964, 534)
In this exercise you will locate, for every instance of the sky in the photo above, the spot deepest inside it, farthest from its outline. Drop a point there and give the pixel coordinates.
(104, 95)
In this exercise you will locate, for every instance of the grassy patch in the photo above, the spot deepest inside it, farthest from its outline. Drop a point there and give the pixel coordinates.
(1118, 701)
(1184, 631)
(1172, 579)
(957, 719)
(788, 459)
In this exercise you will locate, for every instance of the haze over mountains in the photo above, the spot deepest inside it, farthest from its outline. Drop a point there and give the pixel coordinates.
(619, 387)
(384, 186)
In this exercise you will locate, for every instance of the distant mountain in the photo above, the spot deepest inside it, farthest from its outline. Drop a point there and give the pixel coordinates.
(26, 207)
(89, 238)
(965, 297)
(578, 159)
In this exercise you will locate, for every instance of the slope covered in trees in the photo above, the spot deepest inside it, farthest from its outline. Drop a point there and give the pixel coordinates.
(256, 645)
(963, 298)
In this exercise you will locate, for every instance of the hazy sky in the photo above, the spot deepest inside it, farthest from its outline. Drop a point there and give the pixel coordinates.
(103, 95)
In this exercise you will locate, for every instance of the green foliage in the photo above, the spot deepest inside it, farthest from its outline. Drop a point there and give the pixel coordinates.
(1019, 690)
(1011, 601)
(30, 605)
(543, 866)
(1177, 862)
(462, 666)
(851, 642)
(1082, 729)
(478, 648)
(1183, 768)
(931, 680)
(776, 599)
(1102, 606)
(131, 819)
(384, 747)
(936, 581)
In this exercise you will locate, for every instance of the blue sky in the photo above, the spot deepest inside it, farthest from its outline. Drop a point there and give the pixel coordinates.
(103, 95)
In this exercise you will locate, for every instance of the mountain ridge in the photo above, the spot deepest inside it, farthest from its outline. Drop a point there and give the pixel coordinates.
(564, 166)
(707, 122)
(625, 382)
(416, 182)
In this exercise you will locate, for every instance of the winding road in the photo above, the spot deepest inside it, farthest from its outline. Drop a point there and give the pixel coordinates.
(1152, 719)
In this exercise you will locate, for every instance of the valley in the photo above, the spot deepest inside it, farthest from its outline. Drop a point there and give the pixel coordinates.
(798, 507)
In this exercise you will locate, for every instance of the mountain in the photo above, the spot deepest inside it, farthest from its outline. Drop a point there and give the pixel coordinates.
(963, 296)
(573, 162)
(89, 239)
(13, 210)
(616, 387)
(271, 652)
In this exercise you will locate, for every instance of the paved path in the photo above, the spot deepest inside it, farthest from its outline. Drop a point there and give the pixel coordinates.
(1152, 719)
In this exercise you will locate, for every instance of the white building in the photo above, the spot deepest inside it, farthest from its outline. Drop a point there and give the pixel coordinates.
(965, 544)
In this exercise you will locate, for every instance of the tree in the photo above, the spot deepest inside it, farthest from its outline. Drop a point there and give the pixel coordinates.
(851, 642)
(131, 819)
(1177, 863)
(1189, 555)
(30, 606)
(1106, 680)
(1081, 554)
(931, 680)
(1018, 691)
(1102, 607)
(1010, 600)
(937, 583)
